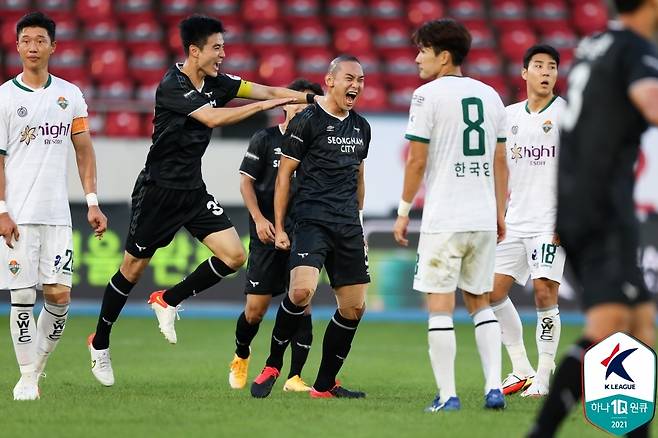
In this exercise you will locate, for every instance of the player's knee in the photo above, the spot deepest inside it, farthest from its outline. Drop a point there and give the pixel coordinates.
(59, 294)
(26, 296)
(354, 313)
(301, 296)
(254, 313)
(132, 268)
(545, 295)
(235, 260)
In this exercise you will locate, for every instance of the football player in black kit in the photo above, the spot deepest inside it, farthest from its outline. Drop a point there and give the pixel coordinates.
(170, 193)
(267, 268)
(613, 96)
(326, 145)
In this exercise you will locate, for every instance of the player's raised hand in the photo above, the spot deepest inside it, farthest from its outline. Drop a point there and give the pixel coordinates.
(8, 229)
(97, 220)
(265, 231)
(273, 103)
(281, 240)
(400, 230)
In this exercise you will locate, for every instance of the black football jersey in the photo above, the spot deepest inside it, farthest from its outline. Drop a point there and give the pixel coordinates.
(601, 131)
(261, 163)
(179, 141)
(330, 151)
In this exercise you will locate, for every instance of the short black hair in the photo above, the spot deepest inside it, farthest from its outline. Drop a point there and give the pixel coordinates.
(541, 48)
(333, 65)
(625, 6)
(36, 19)
(444, 34)
(302, 84)
(196, 29)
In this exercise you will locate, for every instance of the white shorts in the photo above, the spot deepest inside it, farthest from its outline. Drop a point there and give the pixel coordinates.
(537, 257)
(42, 255)
(447, 261)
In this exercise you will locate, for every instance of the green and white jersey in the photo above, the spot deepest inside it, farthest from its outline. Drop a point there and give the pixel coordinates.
(461, 119)
(532, 158)
(35, 135)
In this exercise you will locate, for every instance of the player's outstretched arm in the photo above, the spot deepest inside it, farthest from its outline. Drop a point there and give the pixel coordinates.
(414, 170)
(264, 92)
(85, 158)
(8, 228)
(501, 175)
(287, 167)
(644, 95)
(264, 228)
(214, 117)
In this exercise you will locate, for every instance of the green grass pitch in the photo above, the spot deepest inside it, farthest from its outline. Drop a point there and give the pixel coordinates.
(182, 390)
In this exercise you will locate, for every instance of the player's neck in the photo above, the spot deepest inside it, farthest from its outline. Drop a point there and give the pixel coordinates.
(331, 107)
(449, 70)
(537, 103)
(640, 23)
(35, 78)
(193, 72)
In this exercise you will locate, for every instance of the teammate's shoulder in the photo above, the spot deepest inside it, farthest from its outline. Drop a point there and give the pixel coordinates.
(516, 107)
(7, 85)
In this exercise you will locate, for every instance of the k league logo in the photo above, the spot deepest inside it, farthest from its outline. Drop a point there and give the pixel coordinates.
(619, 381)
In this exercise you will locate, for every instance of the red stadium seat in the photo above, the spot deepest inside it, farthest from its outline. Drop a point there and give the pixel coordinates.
(548, 13)
(8, 35)
(420, 11)
(309, 35)
(277, 68)
(373, 98)
(466, 9)
(508, 10)
(314, 65)
(297, 12)
(131, 10)
(96, 123)
(147, 124)
(560, 36)
(92, 10)
(352, 38)
(107, 64)
(589, 16)
(175, 10)
(67, 30)
(102, 33)
(173, 39)
(483, 63)
(68, 61)
(13, 64)
(260, 11)
(399, 97)
(123, 124)
(12, 10)
(54, 7)
(235, 32)
(499, 84)
(481, 34)
(85, 85)
(221, 8)
(381, 11)
(142, 33)
(118, 89)
(269, 37)
(145, 92)
(148, 64)
(393, 38)
(342, 12)
(518, 88)
(240, 61)
(401, 69)
(514, 43)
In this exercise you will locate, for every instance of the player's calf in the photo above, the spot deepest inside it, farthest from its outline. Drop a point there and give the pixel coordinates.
(23, 328)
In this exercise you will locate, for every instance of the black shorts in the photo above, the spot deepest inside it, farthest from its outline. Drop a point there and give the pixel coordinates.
(267, 270)
(158, 213)
(606, 263)
(340, 248)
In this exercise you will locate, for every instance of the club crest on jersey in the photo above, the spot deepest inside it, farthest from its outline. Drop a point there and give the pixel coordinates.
(22, 111)
(547, 126)
(14, 267)
(62, 102)
(28, 134)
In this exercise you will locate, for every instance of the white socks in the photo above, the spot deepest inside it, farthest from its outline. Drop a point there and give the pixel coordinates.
(23, 328)
(443, 349)
(487, 338)
(512, 337)
(548, 337)
(50, 327)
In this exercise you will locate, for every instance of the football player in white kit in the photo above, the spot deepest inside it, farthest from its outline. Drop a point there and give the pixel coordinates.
(457, 128)
(531, 247)
(41, 117)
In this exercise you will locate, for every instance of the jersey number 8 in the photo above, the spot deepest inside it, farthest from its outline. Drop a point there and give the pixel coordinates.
(473, 126)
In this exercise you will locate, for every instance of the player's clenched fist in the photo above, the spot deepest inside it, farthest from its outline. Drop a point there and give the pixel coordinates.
(281, 240)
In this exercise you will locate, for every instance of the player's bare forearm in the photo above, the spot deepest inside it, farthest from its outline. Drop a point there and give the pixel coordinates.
(2, 178)
(361, 186)
(282, 191)
(414, 170)
(501, 175)
(215, 117)
(85, 158)
(264, 92)
(249, 197)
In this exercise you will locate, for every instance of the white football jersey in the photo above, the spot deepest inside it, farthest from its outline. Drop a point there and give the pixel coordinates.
(461, 119)
(532, 158)
(35, 135)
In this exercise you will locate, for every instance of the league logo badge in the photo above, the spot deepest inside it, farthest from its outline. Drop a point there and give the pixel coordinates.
(22, 111)
(619, 381)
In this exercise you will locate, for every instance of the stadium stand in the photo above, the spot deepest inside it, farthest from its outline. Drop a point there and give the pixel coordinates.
(117, 50)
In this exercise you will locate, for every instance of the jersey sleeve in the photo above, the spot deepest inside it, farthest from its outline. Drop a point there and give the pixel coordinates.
(501, 123)
(366, 138)
(4, 124)
(639, 61)
(253, 162)
(298, 137)
(80, 108)
(176, 95)
(419, 127)
(227, 87)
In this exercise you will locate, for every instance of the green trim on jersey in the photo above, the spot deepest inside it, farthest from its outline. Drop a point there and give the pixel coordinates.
(543, 109)
(3, 152)
(501, 139)
(418, 139)
(23, 87)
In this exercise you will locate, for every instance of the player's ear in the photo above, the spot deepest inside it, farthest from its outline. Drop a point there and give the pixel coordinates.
(329, 80)
(53, 46)
(524, 73)
(445, 57)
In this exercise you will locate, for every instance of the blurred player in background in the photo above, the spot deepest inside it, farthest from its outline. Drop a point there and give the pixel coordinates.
(267, 267)
(326, 145)
(41, 117)
(170, 193)
(457, 134)
(613, 96)
(531, 248)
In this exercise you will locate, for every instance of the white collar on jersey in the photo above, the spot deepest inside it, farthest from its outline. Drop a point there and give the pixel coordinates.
(18, 80)
(281, 130)
(334, 115)
(179, 66)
